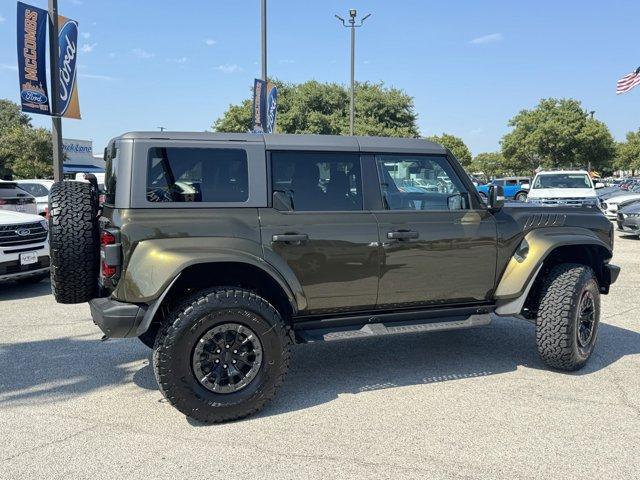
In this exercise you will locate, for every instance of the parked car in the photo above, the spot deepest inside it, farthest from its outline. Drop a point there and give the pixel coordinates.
(40, 190)
(564, 187)
(15, 199)
(221, 250)
(628, 219)
(515, 188)
(611, 205)
(24, 247)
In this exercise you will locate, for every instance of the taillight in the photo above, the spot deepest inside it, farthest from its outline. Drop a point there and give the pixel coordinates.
(107, 238)
(110, 253)
(3, 201)
(108, 270)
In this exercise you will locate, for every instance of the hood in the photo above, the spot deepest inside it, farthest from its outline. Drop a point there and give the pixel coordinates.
(8, 217)
(618, 199)
(633, 208)
(562, 193)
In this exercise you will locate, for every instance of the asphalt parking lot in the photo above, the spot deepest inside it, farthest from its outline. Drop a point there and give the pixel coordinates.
(463, 404)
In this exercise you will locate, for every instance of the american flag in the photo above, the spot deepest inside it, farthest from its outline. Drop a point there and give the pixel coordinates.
(627, 82)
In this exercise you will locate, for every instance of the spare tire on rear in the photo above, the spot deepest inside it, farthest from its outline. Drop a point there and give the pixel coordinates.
(75, 242)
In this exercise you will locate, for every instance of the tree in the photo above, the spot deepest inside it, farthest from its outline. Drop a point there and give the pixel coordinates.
(10, 117)
(323, 108)
(628, 153)
(28, 151)
(555, 134)
(491, 164)
(456, 145)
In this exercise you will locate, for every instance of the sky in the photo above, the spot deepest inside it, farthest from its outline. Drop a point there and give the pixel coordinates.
(470, 65)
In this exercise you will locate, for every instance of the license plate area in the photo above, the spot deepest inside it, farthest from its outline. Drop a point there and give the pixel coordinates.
(28, 258)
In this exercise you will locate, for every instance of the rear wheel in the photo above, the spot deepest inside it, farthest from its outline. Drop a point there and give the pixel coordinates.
(568, 316)
(75, 249)
(521, 196)
(222, 356)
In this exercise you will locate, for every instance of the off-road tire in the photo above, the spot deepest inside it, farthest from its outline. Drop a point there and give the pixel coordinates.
(187, 323)
(558, 312)
(75, 243)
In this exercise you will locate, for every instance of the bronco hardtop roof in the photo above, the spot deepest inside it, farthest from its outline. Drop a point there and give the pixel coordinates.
(302, 142)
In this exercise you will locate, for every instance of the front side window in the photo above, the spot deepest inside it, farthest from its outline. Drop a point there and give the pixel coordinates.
(177, 174)
(318, 182)
(562, 180)
(419, 183)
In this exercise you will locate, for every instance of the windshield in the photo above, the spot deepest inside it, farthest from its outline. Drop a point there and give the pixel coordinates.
(562, 180)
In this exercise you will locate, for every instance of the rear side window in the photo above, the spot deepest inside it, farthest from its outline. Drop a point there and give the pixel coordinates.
(184, 174)
(111, 173)
(318, 182)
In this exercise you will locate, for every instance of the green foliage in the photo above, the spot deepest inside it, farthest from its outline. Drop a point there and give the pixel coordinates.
(555, 134)
(628, 153)
(25, 152)
(11, 115)
(456, 145)
(491, 164)
(323, 108)
(29, 150)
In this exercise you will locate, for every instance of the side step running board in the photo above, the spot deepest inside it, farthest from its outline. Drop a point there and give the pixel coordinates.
(392, 328)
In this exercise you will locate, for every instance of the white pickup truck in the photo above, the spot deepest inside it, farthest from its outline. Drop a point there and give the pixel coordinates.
(564, 187)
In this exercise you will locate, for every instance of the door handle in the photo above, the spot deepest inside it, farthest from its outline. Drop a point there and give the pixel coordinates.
(402, 234)
(290, 237)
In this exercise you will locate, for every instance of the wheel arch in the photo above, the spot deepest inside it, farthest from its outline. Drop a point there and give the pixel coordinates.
(232, 273)
(539, 251)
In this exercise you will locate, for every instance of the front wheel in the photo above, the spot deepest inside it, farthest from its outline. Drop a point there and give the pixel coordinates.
(222, 355)
(568, 316)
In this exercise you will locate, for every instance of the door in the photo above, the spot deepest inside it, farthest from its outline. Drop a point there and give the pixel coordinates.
(324, 239)
(437, 248)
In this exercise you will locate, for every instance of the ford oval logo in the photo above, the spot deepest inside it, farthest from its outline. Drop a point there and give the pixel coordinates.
(68, 40)
(33, 97)
(23, 232)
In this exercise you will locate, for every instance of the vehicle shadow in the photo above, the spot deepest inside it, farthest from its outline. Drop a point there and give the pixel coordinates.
(48, 371)
(18, 291)
(319, 372)
(323, 371)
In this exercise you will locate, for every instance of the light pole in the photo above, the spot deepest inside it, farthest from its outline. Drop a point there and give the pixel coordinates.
(352, 25)
(56, 121)
(263, 22)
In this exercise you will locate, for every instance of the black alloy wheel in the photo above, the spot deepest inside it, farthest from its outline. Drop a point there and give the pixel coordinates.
(227, 358)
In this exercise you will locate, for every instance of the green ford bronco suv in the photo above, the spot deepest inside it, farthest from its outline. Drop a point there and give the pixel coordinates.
(220, 251)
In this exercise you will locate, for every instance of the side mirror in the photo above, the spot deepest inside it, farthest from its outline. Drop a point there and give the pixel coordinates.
(496, 197)
(458, 201)
(599, 185)
(282, 201)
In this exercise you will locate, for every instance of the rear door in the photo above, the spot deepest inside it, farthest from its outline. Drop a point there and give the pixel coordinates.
(439, 244)
(326, 241)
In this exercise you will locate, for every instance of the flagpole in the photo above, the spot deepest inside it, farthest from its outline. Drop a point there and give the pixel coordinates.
(56, 121)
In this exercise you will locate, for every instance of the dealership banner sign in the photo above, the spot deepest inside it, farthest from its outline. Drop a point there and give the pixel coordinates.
(32, 43)
(265, 106)
(68, 103)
